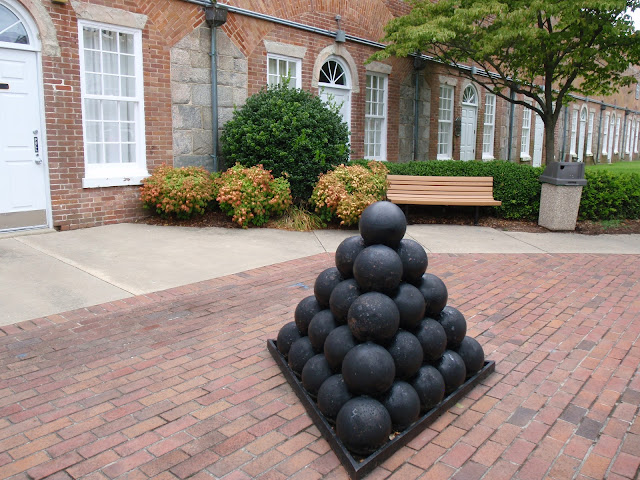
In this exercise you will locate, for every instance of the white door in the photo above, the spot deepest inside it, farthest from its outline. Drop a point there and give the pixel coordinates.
(468, 133)
(340, 97)
(23, 200)
(538, 140)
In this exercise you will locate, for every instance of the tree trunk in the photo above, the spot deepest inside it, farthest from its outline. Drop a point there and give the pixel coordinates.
(549, 138)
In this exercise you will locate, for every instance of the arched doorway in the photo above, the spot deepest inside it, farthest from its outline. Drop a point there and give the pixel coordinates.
(23, 185)
(334, 83)
(469, 119)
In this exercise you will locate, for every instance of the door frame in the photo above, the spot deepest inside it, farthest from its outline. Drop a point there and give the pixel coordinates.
(35, 46)
(470, 107)
(327, 87)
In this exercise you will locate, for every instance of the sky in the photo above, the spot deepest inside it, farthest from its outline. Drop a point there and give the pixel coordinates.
(636, 18)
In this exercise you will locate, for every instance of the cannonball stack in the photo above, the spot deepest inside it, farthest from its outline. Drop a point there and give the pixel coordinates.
(377, 345)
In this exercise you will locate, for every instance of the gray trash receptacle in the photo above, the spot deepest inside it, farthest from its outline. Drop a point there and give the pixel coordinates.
(562, 184)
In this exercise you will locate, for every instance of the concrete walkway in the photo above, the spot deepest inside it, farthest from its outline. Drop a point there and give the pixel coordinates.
(44, 273)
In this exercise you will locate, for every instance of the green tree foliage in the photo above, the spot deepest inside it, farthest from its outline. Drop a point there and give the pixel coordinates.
(290, 132)
(543, 50)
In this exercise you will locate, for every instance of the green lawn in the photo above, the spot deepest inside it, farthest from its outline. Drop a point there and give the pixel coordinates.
(619, 167)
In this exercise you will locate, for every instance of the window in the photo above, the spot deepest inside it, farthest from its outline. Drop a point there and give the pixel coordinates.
(612, 127)
(605, 133)
(636, 139)
(375, 117)
(112, 105)
(11, 28)
(627, 147)
(280, 68)
(525, 142)
(616, 143)
(574, 133)
(489, 126)
(590, 134)
(445, 122)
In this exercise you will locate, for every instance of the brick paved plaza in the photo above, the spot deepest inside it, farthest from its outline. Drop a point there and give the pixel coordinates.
(179, 384)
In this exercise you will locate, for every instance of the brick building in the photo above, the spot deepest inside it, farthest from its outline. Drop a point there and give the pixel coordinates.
(95, 94)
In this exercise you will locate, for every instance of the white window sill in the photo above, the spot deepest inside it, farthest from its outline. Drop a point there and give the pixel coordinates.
(113, 181)
(525, 158)
(488, 157)
(443, 157)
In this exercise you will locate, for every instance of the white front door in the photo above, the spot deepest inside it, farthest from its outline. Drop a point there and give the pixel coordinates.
(468, 133)
(538, 140)
(23, 200)
(340, 97)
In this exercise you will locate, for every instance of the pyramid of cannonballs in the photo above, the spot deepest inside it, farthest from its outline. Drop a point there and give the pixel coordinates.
(377, 345)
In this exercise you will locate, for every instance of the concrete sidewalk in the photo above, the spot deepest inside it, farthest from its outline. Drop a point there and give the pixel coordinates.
(44, 273)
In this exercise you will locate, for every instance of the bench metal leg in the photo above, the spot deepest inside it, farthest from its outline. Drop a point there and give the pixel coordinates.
(477, 215)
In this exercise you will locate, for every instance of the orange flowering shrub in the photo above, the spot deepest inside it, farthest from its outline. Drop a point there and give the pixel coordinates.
(347, 190)
(251, 195)
(177, 191)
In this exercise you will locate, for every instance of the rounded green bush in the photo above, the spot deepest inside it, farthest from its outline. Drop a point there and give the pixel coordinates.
(290, 132)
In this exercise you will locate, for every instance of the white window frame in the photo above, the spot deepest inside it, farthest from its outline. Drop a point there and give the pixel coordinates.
(605, 134)
(525, 140)
(445, 125)
(637, 137)
(589, 146)
(115, 174)
(488, 136)
(574, 133)
(278, 76)
(377, 119)
(616, 144)
(627, 145)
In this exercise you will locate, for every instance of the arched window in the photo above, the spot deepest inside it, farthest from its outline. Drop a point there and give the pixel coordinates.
(12, 30)
(470, 96)
(333, 74)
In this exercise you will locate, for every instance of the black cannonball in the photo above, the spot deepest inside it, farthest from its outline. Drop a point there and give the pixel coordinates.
(325, 283)
(363, 425)
(435, 294)
(305, 311)
(414, 260)
(410, 303)
(332, 395)
(299, 354)
(403, 404)
(383, 223)
(433, 339)
(454, 324)
(406, 351)
(337, 344)
(368, 369)
(472, 354)
(286, 336)
(373, 316)
(346, 254)
(342, 297)
(314, 374)
(452, 368)
(378, 268)
(320, 327)
(430, 386)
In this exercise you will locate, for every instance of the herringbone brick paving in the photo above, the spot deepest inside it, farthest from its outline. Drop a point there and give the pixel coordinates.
(179, 384)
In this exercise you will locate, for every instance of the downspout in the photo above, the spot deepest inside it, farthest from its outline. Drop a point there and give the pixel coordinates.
(596, 157)
(564, 132)
(512, 107)
(418, 65)
(624, 136)
(215, 16)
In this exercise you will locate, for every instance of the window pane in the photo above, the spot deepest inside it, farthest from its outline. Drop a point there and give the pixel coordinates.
(92, 109)
(109, 43)
(127, 132)
(127, 65)
(292, 71)
(111, 132)
(112, 153)
(14, 34)
(90, 38)
(91, 61)
(94, 132)
(110, 110)
(94, 153)
(128, 87)
(128, 153)
(273, 66)
(111, 85)
(110, 63)
(94, 83)
(127, 111)
(126, 43)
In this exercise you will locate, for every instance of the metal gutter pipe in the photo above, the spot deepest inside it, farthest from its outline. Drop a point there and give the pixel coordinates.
(512, 108)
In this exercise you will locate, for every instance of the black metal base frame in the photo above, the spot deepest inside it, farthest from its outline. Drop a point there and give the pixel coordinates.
(358, 467)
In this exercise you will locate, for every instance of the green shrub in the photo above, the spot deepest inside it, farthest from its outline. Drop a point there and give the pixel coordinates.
(516, 186)
(347, 190)
(290, 132)
(177, 191)
(609, 196)
(251, 195)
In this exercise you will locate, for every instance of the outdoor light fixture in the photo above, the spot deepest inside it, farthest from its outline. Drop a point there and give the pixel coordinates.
(340, 34)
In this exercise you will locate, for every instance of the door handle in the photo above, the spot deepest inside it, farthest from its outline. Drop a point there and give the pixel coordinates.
(36, 149)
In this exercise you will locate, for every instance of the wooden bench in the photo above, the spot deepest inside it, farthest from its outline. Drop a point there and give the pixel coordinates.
(464, 191)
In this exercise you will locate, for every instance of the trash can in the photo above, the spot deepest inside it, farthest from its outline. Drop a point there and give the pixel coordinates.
(562, 184)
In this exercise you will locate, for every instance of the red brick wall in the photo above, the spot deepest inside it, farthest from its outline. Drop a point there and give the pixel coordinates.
(74, 206)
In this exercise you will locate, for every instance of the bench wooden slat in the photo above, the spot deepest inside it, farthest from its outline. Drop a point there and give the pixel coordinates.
(455, 191)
